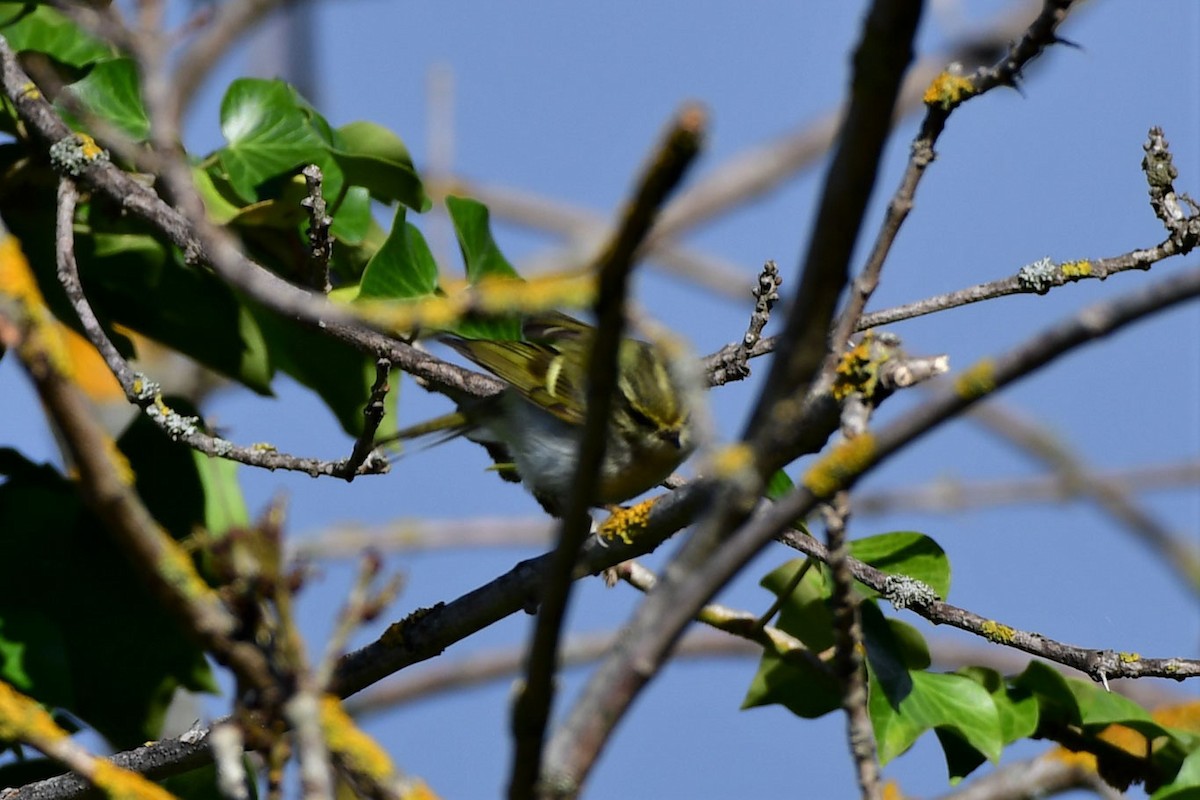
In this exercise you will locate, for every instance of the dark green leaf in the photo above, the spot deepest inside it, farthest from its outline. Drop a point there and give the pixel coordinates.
(1055, 699)
(961, 758)
(481, 255)
(1018, 708)
(778, 485)
(111, 92)
(131, 280)
(905, 701)
(339, 374)
(905, 553)
(803, 613)
(47, 31)
(794, 684)
(352, 218)
(1186, 785)
(66, 589)
(403, 268)
(375, 158)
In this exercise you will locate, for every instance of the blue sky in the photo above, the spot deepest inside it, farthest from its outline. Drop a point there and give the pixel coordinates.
(564, 101)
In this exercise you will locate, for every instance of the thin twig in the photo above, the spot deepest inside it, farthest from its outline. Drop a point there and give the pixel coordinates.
(531, 711)
(732, 362)
(1039, 35)
(229, 23)
(883, 55)
(847, 636)
(363, 459)
(320, 242)
(146, 394)
(668, 610)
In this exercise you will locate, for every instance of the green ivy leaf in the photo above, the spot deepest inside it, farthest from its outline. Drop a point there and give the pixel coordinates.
(44, 30)
(481, 254)
(375, 158)
(803, 613)
(352, 218)
(905, 553)
(63, 589)
(1018, 708)
(224, 506)
(132, 280)
(904, 702)
(484, 262)
(796, 685)
(339, 374)
(111, 92)
(778, 485)
(270, 134)
(1186, 785)
(403, 268)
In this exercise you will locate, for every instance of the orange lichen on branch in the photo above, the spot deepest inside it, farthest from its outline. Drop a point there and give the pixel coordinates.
(626, 523)
(947, 90)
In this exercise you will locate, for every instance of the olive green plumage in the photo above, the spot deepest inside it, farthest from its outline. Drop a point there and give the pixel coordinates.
(533, 428)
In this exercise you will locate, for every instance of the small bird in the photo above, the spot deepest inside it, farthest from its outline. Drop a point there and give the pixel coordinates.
(533, 428)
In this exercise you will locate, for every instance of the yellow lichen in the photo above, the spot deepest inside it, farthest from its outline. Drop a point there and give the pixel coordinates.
(121, 784)
(45, 337)
(626, 523)
(976, 380)
(845, 461)
(997, 632)
(1129, 658)
(357, 751)
(30, 90)
(119, 463)
(731, 460)
(417, 789)
(23, 720)
(88, 147)
(854, 370)
(1076, 269)
(948, 90)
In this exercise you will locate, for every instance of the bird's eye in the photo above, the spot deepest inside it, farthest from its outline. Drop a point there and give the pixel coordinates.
(641, 418)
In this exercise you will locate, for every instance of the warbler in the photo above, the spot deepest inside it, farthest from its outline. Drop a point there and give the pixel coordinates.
(533, 428)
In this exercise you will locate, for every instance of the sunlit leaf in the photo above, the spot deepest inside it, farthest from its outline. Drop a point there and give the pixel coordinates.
(375, 158)
(111, 92)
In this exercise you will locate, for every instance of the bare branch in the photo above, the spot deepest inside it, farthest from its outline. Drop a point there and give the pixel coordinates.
(531, 711)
